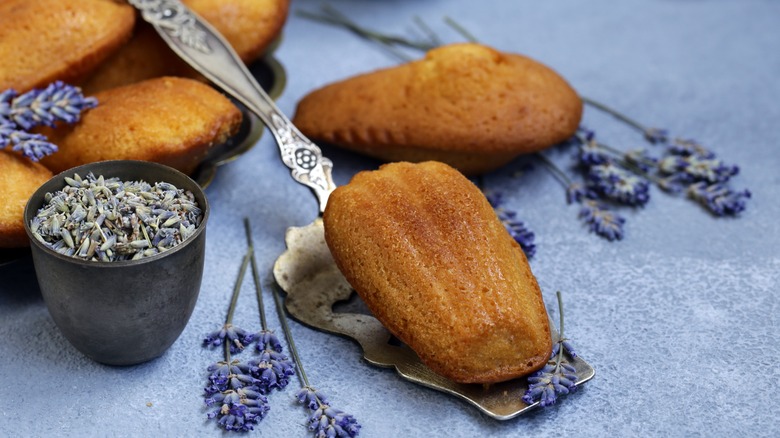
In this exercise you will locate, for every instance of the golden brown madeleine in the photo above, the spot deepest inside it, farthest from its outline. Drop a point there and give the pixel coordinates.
(173, 121)
(249, 25)
(19, 178)
(46, 40)
(424, 249)
(145, 56)
(468, 105)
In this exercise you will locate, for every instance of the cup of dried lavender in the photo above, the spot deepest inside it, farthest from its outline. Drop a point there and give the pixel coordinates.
(118, 249)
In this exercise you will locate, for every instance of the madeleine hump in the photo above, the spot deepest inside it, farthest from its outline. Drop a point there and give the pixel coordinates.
(426, 252)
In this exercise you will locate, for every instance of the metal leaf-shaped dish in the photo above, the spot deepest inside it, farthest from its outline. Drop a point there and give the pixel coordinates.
(314, 285)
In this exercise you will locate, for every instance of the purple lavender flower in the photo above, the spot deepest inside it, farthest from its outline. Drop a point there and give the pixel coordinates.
(6, 98)
(619, 185)
(557, 377)
(601, 220)
(576, 192)
(719, 199)
(687, 147)
(516, 228)
(58, 102)
(267, 340)
(567, 348)
(590, 153)
(708, 169)
(641, 159)
(237, 337)
(234, 375)
(32, 146)
(546, 384)
(326, 421)
(272, 369)
(239, 409)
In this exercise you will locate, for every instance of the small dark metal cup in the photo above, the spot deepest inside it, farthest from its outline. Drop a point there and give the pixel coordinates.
(124, 312)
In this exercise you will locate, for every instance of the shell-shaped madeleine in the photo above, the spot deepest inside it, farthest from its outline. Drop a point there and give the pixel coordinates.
(424, 249)
(46, 40)
(468, 105)
(173, 121)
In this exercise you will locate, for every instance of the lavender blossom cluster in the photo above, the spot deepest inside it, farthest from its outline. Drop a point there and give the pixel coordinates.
(58, 102)
(239, 389)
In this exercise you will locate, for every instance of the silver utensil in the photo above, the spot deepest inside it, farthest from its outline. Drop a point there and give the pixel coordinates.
(201, 46)
(306, 271)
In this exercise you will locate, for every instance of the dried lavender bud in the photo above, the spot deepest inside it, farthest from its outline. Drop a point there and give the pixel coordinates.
(239, 409)
(618, 184)
(326, 421)
(602, 221)
(111, 220)
(237, 337)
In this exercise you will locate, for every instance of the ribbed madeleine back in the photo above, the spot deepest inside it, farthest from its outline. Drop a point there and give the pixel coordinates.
(424, 249)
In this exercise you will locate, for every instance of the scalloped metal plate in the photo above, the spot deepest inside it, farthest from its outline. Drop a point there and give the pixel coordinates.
(314, 285)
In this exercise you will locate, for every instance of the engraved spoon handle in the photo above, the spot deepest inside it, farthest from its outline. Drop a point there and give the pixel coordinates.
(202, 47)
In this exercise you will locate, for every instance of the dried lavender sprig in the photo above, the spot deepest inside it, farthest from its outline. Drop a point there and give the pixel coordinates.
(325, 421)
(32, 146)
(231, 383)
(719, 199)
(685, 163)
(272, 368)
(58, 102)
(557, 377)
(234, 339)
(599, 219)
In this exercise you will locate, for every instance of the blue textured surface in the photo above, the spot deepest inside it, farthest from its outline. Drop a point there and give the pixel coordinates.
(679, 319)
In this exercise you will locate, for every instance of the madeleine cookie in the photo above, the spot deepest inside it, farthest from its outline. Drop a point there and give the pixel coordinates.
(467, 105)
(46, 40)
(19, 178)
(173, 121)
(424, 249)
(249, 25)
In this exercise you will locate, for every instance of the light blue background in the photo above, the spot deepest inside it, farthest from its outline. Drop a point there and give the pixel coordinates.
(679, 319)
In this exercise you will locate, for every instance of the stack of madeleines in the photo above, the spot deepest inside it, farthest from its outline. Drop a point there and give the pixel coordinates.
(151, 105)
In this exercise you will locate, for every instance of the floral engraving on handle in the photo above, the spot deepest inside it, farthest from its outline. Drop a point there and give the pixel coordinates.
(303, 157)
(176, 20)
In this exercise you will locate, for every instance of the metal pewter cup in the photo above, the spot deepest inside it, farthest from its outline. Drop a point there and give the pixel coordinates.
(121, 312)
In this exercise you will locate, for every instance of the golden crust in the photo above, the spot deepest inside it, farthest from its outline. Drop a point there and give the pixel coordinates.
(19, 178)
(173, 121)
(424, 249)
(46, 40)
(464, 104)
(249, 25)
